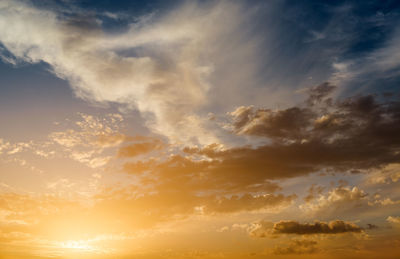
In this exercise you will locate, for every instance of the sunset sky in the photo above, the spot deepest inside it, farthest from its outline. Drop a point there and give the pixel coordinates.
(199, 129)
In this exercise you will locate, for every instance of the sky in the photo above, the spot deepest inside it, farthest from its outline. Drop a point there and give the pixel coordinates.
(199, 129)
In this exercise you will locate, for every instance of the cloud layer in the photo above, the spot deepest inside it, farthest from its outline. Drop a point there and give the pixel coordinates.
(265, 229)
(332, 227)
(159, 65)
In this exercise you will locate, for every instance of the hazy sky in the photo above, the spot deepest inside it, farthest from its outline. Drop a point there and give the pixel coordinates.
(199, 129)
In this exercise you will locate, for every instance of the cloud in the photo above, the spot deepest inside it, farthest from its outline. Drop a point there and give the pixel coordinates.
(297, 246)
(265, 122)
(394, 220)
(4, 145)
(176, 66)
(297, 228)
(385, 201)
(140, 148)
(86, 140)
(319, 93)
(183, 173)
(260, 229)
(248, 202)
(13, 148)
(375, 70)
(167, 205)
(386, 175)
(143, 209)
(242, 178)
(91, 131)
(160, 65)
(169, 66)
(338, 199)
(334, 124)
(349, 201)
(321, 134)
(313, 192)
(332, 227)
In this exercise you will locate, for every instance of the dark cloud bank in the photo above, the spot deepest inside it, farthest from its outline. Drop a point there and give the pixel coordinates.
(320, 135)
(347, 135)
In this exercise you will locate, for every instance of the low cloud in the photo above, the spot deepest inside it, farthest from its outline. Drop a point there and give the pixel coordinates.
(87, 139)
(349, 135)
(301, 246)
(393, 219)
(137, 149)
(313, 192)
(386, 175)
(348, 201)
(341, 198)
(264, 229)
(332, 227)
(336, 129)
(182, 173)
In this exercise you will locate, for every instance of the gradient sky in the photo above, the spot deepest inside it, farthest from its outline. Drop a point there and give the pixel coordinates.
(199, 129)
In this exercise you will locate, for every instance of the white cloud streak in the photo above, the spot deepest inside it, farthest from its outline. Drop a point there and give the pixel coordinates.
(160, 65)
